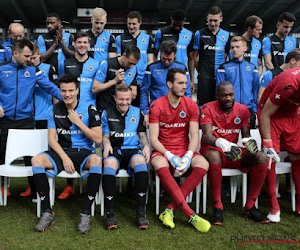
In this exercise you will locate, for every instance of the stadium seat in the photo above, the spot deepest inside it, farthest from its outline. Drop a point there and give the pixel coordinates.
(21, 142)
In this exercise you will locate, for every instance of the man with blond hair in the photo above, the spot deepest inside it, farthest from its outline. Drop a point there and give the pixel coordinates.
(102, 42)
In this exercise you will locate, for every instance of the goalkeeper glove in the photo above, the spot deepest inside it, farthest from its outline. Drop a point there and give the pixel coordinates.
(231, 150)
(173, 159)
(250, 144)
(185, 162)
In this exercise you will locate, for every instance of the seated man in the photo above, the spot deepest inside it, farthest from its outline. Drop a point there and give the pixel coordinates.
(172, 117)
(123, 131)
(77, 126)
(221, 123)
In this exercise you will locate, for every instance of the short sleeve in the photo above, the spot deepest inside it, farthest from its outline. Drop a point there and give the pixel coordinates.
(194, 112)
(112, 44)
(197, 41)
(104, 123)
(205, 115)
(141, 127)
(51, 122)
(154, 113)
(101, 72)
(246, 118)
(266, 46)
(94, 118)
(157, 39)
(150, 46)
(41, 44)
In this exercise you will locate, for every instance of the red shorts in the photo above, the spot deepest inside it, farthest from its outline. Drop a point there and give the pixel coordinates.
(285, 132)
(226, 163)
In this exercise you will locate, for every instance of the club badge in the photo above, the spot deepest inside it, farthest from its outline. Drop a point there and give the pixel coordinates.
(182, 114)
(132, 120)
(237, 120)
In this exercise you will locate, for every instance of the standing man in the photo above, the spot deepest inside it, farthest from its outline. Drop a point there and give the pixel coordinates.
(276, 47)
(279, 126)
(292, 60)
(114, 71)
(18, 81)
(102, 42)
(56, 45)
(84, 68)
(183, 38)
(221, 123)
(77, 126)
(154, 84)
(243, 75)
(15, 32)
(172, 118)
(253, 26)
(143, 41)
(123, 132)
(212, 45)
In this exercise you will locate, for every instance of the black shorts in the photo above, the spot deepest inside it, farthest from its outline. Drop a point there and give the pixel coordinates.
(78, 156)
(123, 157)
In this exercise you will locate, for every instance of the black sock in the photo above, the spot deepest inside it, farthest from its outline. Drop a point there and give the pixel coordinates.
(31, 185)
(109, 188)
(141, 184)
(42, 187)
(91, 190)
(70, 182)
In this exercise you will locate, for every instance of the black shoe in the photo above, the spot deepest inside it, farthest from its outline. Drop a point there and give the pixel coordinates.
(217, 217)
(255, 215)
(111, 221)
(142, 221)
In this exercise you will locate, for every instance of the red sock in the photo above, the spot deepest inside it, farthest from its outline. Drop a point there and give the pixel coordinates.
(215, 183)
(271, 187)
(296, 179)
(257, 179)
(190, 183)
(172, 188)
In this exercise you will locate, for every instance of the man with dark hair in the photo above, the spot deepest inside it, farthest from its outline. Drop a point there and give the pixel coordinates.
(15, 32)
(56, 45)
(253, 29)
(292, 60)
(143, 41)
(183, 38)
(102, 42)
(16, 101)
(154, 83)
(84, 68)
(113, 71)
(172, 118)
(221, 123)
(243, 75)
(212, 45)
(77, 126)
(276, 47)
(123, 132)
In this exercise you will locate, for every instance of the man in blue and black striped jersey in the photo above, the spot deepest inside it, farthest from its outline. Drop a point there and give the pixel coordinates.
(102, 42)
(123, 132)
(212, 44)
(77, 126)
(276, 47)
(154, 83)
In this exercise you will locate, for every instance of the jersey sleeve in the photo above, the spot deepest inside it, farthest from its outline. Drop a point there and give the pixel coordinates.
(71, 40)
(191, 44)
(101, 72)
(141, 127)
(255, 86)
(104, 123)
(194, 112)
(220, 74)
(53, 77)
(154, 113)
(144, 105)
(246, 117)
(266, 78)
(227, 45)
(157, 40)
(51, 122)
(205, 115)
(41, 44)
(188, 85)
(196, 45)
(47, 85)
(2, 54)
(134, 81)
(94, 118)
(281, 91)
(118, 45)
(112, 48)
(266, 46)
(150, 46)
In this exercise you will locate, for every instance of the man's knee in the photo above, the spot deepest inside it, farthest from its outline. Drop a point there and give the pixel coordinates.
(38, 161)
(158, 162)
(94, 160)
(213, 156)
(137, 159)
(200, 161)
(111, 162)
(261, 158)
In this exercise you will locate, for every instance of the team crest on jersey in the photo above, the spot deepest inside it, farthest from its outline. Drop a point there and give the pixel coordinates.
(26, 74)
(186, 37)
(143, 41)
(248, 68)
(129, 74)
(44, 72)
(291, 43)
(182, 114)
(103, 39)
(237, 120)
(81, 117)
(91, 68)
(132, 120)
(223, 38)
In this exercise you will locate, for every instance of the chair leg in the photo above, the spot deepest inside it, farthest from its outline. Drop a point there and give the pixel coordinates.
(5, 191)
(93, 208)
(198, 191)
(204, 193)
(277, 184)
(101, 200)
(293, 193)
(1, 199)
(38, 205)
(80, 180)
(120, 184)
(233, 188)
(244, 189)
(157, 184)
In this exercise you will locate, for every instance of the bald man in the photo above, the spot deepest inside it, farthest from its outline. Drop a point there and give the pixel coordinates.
(15, 32)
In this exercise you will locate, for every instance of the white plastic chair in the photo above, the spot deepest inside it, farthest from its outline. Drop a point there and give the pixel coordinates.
(21, 142)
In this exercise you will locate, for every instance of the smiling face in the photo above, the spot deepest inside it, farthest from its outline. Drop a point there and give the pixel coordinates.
(82, 45)
(22, 58)
(69, 93)
(123, 100)
(133, 26)
(214, 22)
